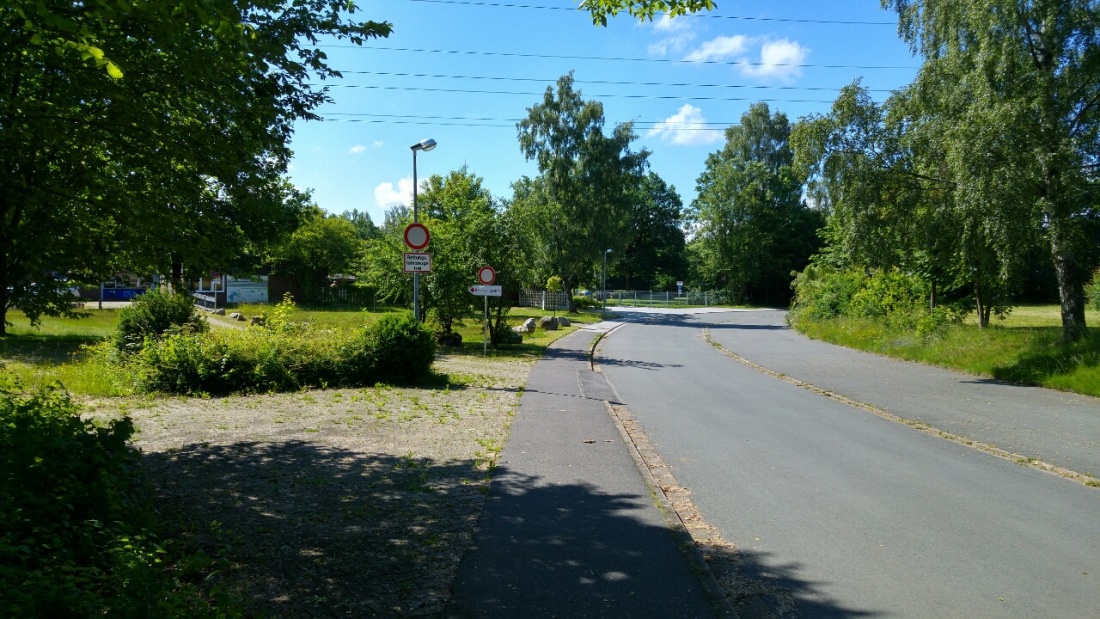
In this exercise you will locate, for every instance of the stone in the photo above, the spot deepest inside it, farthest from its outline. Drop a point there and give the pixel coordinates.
(256, 320)
(548, 323)
(220, 311)
(237, 316)
(564, 322)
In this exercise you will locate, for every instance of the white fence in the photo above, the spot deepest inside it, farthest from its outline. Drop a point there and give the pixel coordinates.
(544, 299)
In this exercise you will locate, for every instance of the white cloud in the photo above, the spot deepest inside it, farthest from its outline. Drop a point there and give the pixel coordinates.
(778, 59)
(720, 48)
(686, 127)
(358, 148)
(386, 196)
(379, 143)
(676, 35)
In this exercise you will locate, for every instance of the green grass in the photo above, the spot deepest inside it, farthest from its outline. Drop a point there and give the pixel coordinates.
(1025, 348)
(70, 351)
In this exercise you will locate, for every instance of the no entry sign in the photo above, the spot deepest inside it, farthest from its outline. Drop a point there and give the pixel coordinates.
(486, 275)
(416, 236)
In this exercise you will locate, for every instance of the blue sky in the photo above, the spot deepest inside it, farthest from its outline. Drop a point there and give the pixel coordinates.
(465, 71)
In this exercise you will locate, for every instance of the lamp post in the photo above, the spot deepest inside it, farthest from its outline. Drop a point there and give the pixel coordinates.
(424, 145)
(603, 276)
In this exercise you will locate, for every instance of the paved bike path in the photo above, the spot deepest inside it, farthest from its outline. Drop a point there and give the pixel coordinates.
(570, 528)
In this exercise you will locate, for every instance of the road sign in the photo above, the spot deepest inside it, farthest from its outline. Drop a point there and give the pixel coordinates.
(418, 263)
(485, 291)
(486, 275)
(416, 236)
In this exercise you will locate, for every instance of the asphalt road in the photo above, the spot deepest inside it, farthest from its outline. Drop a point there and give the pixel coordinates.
(837, 512)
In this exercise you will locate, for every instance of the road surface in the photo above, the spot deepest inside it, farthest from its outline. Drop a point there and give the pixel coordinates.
(839, 512)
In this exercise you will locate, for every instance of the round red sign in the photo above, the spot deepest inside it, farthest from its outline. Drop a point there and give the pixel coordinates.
(486, 275)
(416, 236)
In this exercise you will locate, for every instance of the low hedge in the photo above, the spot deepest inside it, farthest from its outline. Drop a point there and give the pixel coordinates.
(286, 358)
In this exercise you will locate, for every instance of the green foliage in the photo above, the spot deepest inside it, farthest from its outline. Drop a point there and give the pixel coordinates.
(824, 292)
(643, 9)
(402, 348)
(1093, 290)
(394, 349)
(321, 246)
(583, 302)
(154, 314)
(93, 89)
(581, 203)
(752, 228)
(75, 538)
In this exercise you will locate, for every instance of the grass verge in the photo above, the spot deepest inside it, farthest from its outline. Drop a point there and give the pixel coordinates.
(1026, 348)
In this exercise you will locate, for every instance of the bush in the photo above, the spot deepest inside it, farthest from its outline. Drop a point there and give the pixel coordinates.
(583, 302)
(75, 517)
(1092, 291)
(822, 292)
(402, 347)
(154, 314)
(265, 360)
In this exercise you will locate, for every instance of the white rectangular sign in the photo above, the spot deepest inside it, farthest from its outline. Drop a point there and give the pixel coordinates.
(418, 263)
(485, 291)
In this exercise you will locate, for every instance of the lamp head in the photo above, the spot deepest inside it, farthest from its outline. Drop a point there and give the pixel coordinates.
(424, 145)
(608, 251)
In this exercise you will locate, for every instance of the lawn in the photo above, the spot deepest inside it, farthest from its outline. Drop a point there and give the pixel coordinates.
(71, 351)
(1026, 347)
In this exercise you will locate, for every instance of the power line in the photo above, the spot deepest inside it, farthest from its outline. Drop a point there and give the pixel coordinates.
(624, 58)
(476, 121)
(471, 91)
(603, 82)
(696, 15)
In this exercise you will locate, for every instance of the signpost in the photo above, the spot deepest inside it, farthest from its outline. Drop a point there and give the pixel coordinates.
(417, 236)
(416, 262)
(486, 275)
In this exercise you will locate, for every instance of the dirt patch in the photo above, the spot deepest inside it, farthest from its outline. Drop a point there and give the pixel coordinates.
(341, 502)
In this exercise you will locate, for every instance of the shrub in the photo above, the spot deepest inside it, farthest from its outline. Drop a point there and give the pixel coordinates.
(583, 302)
(154, 314)
(823, 292)
(75, 517)
(263, 360)
(1093, 290)
(402, 347)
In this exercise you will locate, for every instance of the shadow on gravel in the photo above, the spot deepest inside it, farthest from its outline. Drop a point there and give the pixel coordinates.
(318, 531)
(568, 550)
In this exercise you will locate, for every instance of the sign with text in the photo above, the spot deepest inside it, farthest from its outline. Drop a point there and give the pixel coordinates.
(485, 291)
(418, 263)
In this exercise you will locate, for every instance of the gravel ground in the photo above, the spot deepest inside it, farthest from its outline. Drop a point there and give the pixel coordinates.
(340, 502)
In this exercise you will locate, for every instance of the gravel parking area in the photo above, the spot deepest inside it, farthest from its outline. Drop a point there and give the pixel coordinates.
(341, 502)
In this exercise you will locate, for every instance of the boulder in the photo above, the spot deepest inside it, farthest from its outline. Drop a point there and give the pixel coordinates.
(256, 320)
(564, 322)
(548, 323)
(237, 316)
(220, 311)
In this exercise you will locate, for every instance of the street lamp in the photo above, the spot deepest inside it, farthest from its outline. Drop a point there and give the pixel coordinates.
(424, 145)
(603, 276)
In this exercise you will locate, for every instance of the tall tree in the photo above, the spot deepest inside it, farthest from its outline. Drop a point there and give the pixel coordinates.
(751, 224)
(656, 252)
(1020, 81)
(323, 245)
(150, 135)
(582, 201)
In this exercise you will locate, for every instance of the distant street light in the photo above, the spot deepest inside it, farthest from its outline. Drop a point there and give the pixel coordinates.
(424, 145)
(603, 276)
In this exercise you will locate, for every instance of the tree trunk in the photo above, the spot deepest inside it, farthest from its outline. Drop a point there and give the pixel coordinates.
(982, 305)
(932, 298)
(1071, 285)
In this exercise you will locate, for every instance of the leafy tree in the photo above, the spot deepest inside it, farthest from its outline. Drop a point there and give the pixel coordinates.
(1018, 81)
(581, 202)
(322, 246)
(752, 226)
(149, 135)
(656, 254)
(882, 172)
(364, 227)
(642, 9)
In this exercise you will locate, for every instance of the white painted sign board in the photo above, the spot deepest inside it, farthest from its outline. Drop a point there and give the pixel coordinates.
(418, 263)
(486, 291)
